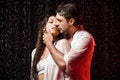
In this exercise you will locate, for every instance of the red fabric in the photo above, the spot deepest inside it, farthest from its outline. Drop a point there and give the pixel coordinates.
(80, 67)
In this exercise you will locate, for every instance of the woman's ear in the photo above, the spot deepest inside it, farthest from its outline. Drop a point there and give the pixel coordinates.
(72, 21)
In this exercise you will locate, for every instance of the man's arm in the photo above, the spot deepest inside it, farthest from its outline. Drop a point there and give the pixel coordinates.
(56, 54)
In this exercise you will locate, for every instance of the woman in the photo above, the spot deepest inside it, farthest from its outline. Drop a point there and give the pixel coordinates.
(43, 66)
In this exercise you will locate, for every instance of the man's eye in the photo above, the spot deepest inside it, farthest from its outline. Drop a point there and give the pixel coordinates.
(60, 20)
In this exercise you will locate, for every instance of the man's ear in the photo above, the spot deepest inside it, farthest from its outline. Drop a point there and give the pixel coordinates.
(72, 21)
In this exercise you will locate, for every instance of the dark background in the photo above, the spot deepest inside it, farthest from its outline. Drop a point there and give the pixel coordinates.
(18, 33)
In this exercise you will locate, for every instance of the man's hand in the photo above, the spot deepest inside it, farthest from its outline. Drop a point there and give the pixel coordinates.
(57, 56)
(47, 38)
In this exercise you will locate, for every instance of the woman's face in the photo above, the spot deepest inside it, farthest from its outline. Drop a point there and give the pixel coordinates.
(52, 26)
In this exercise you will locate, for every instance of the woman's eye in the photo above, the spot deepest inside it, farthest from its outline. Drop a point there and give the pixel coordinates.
(50, 21)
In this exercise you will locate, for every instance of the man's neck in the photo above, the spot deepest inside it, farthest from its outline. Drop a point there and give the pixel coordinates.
(72, 31)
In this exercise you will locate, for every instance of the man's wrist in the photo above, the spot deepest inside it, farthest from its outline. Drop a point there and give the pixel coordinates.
(49, 44)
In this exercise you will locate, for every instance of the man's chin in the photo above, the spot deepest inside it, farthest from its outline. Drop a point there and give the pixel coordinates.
(61, 31)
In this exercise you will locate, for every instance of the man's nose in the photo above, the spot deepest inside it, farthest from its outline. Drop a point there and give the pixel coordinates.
(56, 23)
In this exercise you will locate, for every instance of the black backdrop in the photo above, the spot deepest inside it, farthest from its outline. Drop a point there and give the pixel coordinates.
(18, 32)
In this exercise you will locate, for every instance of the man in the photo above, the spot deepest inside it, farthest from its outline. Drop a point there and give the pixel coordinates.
(77, 62)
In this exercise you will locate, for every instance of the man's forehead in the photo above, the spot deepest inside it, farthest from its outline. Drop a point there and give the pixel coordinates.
(59, 16)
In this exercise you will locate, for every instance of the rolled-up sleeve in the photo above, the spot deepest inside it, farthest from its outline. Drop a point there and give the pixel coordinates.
(79, 45)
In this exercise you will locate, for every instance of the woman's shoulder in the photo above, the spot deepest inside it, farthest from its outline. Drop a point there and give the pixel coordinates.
(62, 41)
(33, 52)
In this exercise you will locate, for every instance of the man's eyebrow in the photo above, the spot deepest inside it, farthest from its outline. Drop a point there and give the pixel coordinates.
(59, 20)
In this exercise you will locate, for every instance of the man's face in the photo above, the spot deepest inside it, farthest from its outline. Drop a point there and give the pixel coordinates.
(63, 24)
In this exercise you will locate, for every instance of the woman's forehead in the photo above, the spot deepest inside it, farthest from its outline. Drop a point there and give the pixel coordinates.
(52, 18)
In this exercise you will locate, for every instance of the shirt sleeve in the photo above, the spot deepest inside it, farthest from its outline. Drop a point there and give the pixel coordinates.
(63, 46)
(32, 56)
(78, 46)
